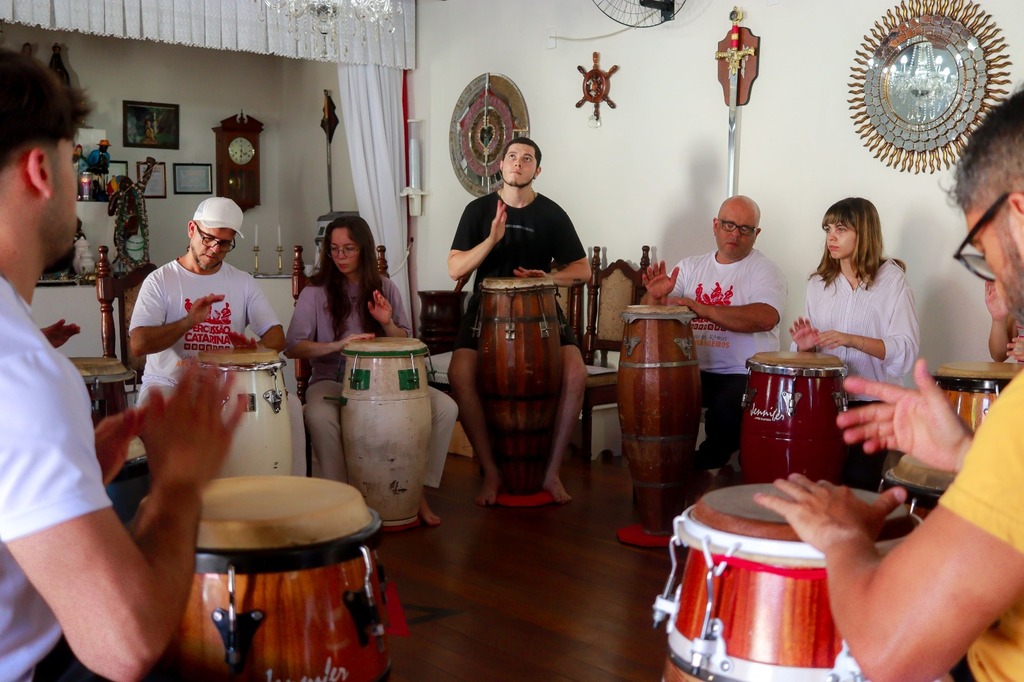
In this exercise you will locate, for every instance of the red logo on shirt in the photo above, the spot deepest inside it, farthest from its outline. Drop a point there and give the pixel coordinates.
(716, 297)
(223, 316)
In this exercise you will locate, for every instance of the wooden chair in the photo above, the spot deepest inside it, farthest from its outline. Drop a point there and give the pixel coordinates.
(299, 281)
(609, 292)
(124, 290)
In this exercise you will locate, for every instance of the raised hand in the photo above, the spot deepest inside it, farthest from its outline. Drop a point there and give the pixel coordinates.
(58, 333)
(498, 224)
(201, 307)
(995, 303)
(113, 435)
(804, 334)
(659, 284)
(918, 422)
(380, 308)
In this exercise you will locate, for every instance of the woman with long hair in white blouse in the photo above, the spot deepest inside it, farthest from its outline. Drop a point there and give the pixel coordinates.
(860, 308)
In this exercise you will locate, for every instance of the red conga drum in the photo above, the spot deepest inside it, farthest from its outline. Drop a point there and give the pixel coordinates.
(287, 585)
(789, 419)
(768, 617)
(519, 375)
(972, 387)
(659, 410)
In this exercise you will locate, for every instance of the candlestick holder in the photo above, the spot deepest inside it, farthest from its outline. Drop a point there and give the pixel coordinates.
(256, 257)
(280, 262)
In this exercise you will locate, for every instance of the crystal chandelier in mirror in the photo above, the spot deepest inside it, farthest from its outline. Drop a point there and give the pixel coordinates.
(325, 19)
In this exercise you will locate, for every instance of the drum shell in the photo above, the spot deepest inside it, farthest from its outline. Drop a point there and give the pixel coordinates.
(775, 443)
(105, 380)
(970, 397)
(659, 405)
(262, 445)
(440, 318)
(385, 431)
(519, 379)
(307, 627)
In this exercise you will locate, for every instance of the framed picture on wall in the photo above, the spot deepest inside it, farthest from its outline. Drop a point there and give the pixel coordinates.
(150, 124)
(116, 168)
(193, 178)
(157, 186)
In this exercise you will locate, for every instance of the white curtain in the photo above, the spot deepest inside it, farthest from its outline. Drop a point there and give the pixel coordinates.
(241, 25)
(371, 105)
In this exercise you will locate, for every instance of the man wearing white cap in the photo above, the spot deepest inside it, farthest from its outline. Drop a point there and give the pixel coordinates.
(198, 302)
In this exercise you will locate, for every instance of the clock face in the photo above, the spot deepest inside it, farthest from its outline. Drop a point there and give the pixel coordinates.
(241, 151)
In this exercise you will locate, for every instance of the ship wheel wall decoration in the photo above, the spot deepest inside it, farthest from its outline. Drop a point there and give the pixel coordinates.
(596, 84)
(923, 80)
(488, 114)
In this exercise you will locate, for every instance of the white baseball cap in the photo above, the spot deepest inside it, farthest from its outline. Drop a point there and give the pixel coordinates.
(220, 212)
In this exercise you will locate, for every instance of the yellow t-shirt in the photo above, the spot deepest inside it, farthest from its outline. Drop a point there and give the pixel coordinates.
(989, 493)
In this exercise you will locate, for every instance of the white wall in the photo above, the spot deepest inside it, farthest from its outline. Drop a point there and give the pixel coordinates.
(286, 95)
(654, 173)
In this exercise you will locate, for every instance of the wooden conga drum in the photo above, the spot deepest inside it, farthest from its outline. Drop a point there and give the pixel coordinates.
(519, 375)
(440, 318)
(385, 424)
(789, 417)
(287, 585)
(262, 445)
(972, 387)
(105, 378)
(924, 484)
(659, 410)
(768, 617)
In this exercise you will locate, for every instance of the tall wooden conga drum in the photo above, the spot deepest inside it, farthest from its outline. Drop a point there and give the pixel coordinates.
(659, 410)
(385, 424)
(262, 445)
(789, 417)
(519, 375)
(287, 585)
(440, 318)
(972, 387)
(768, 614)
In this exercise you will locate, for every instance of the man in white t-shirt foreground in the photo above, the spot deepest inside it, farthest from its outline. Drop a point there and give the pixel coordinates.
(737, 294)
(198, 302)
(74, 581)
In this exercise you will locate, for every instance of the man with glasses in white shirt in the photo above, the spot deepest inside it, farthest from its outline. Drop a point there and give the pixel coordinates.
(197, 302)
(738, 295)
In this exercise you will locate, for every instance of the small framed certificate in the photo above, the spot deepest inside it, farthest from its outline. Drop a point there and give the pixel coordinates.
(193, 178)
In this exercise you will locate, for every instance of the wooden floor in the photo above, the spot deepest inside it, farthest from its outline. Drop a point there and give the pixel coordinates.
(544, 594)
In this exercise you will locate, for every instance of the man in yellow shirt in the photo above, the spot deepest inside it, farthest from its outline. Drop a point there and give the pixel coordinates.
(950, 597)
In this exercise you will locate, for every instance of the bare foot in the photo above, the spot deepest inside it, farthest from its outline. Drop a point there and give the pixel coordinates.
(554, 486)
(489, 490)
(427, 515)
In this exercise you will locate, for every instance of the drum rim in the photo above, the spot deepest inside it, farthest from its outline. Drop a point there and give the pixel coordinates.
(521, 284)
(348, 352)
(254, 367)
(652, 312)
(293, 558)
(791, 371)
(981, 385)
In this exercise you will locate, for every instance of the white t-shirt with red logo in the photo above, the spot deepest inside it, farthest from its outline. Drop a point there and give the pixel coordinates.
(166, 296)
(755, 279)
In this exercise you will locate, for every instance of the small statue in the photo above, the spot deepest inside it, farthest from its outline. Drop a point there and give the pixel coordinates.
(99, 159)
(57, 66)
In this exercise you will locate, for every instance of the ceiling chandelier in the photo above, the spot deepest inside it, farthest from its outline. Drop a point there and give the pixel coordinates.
(324, 19)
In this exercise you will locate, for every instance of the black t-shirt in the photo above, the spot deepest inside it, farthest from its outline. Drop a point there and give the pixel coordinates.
(534, 236)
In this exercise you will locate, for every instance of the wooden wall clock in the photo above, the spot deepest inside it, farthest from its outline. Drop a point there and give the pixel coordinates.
(239, 159)
(489, 112)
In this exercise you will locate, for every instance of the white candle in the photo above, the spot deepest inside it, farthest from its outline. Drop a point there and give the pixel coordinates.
(256, 237)
(414, 163)
(279, 234)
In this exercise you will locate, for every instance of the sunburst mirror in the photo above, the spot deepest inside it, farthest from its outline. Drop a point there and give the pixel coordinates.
(923, 80)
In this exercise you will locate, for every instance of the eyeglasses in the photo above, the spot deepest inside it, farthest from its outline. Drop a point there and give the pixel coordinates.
(346, 251)
(209, 240)
(975, 262)
(730, 226)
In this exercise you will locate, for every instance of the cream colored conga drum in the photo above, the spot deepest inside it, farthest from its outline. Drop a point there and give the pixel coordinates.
(105, 379)
(385, 424)
(287, 585)
(519, 375)
(972, 387)
(262, 445)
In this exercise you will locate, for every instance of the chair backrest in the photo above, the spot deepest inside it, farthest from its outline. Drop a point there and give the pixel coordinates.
(609, 291)
(299, 281)
(124, 290)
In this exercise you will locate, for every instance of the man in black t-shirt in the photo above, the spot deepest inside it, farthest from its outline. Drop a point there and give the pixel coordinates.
(516, 232)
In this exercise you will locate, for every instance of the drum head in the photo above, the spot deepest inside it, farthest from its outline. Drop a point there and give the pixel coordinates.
(797, 363)
(239, 356)
(658, 312)
(385, 346)
(914, 473)
(515, 284)
(1003, 371)
(266, 512)
(102, 369)
(733, 510)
